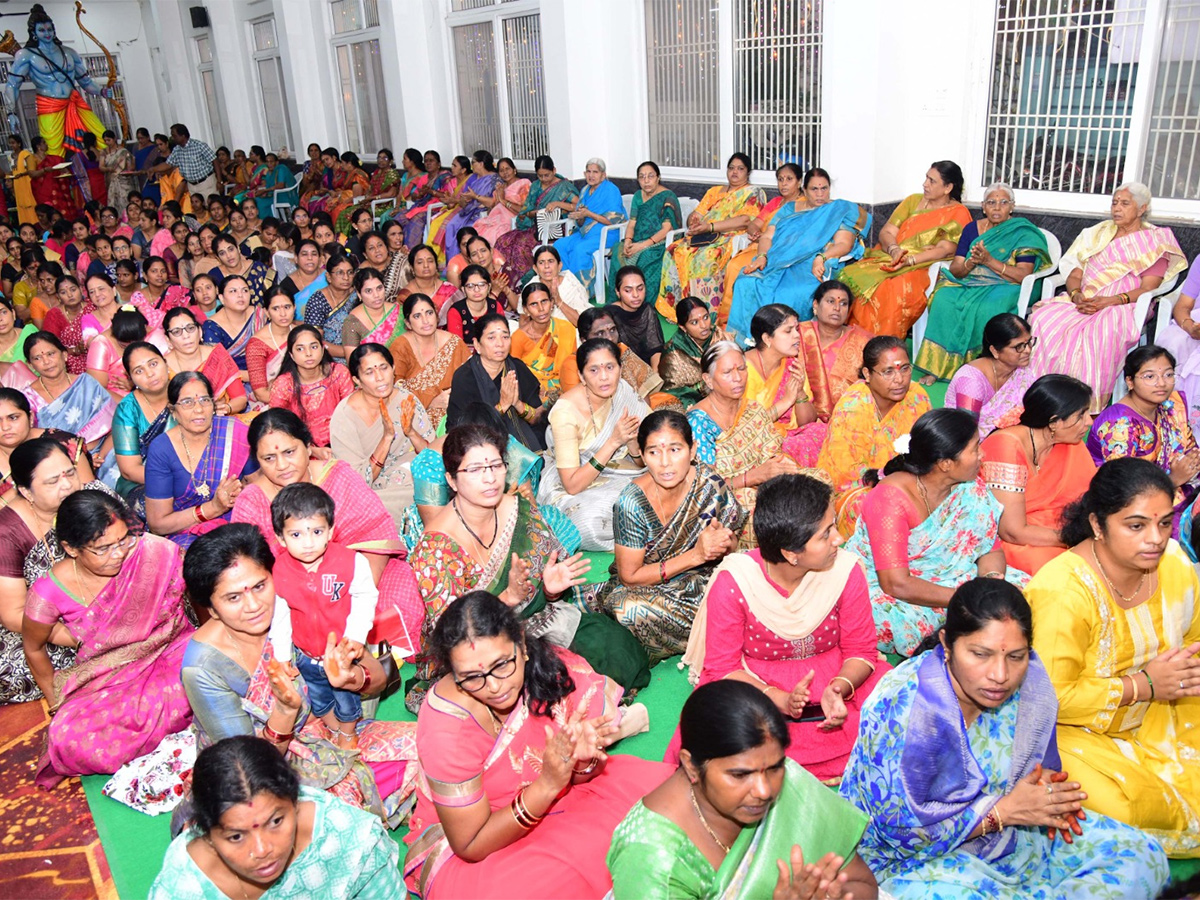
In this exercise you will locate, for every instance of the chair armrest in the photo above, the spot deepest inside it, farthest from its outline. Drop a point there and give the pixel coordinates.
(740, 242)
(1051, 280)
(1028, 283)
(933, 277)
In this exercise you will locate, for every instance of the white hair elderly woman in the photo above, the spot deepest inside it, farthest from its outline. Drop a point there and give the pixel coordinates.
(1087, 332)
(983, 280)
(599, 204)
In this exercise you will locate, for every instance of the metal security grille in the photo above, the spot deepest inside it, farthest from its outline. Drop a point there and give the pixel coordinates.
(478, 92)
(777, 82)
(1172, 166)
(1062, 94)
(526, 94)
(684, 83)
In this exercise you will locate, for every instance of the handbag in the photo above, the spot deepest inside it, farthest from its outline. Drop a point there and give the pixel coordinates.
(391, 671)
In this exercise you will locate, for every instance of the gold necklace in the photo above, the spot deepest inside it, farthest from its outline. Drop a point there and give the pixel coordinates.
(238, 650)
(703, 821)
(202, 489)
(42, 527)
(587, 395)
(1137, 590)
(79, 580)
(924, 495)
(47, 389)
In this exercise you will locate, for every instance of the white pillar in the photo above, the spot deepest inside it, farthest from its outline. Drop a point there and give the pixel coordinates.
(422, 72)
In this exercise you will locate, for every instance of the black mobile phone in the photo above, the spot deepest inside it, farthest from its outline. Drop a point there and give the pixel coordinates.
(811, 713)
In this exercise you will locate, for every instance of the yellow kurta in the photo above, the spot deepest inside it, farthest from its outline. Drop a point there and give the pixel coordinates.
(1139, 764)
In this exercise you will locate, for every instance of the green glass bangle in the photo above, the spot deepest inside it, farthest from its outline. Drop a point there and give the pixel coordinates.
(596, 464)
(1149, 682)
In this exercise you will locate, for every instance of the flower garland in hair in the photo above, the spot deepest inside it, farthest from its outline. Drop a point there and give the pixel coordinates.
(901, 444)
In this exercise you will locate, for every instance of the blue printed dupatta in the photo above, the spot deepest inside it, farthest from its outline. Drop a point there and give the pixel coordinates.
(800, 234)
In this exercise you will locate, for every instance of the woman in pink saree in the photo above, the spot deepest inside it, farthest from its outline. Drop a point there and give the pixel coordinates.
(121, 597)
(1087, 332)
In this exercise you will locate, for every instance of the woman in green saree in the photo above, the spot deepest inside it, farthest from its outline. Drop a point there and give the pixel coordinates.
(552, 193)
(487, 539)
(679, 364)
(655, 213)
(984, 280)
(738, 818)
(671, 526)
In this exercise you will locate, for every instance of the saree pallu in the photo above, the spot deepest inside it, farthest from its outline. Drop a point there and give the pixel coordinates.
(648, 217)
(485, 186)
(355, 331)
(320, 313)
(679, 367)
(85, 409)
(787, 278)
(118, 185)
(263, 363)
(125, 682)
(889, 302)
(859, 440)
(545, 355)
(660, 615)
(592, 508)
(354, 184)
(499, 221)
(1092, 348)
(430, 380)
(380, 181)
(52, 189)
(700, 271)
(224, 375)
(224, 456)
(652, 858)
(1059, 480)
(577, 249)
(445, 571)
(959, 308)
(212, 333)
(416, 216)
(461, 764)
(942, 550)
(103, 357)
(831, 370)
(1122, 431)
(971, 390)
(1139, 763)
(928, 782)
(437, 224)
(518, 245)
(801, 442)
(132, 435)
(743, 258)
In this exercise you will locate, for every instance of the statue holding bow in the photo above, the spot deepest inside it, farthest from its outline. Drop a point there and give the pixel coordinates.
(61, 78)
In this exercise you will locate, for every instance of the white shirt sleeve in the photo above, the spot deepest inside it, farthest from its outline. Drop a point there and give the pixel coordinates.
(281, 630)
(363, 598)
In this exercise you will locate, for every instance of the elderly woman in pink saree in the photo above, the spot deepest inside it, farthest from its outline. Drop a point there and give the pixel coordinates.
(121, 597)
(1087, 333)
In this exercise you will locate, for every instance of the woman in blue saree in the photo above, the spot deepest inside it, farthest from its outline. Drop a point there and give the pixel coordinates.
(481, 184)
(957, 766)
(800, 248)
(599, 204)
(983, 280)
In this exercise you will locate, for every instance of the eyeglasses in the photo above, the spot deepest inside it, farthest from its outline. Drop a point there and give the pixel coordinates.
(895, 373)
(500, 670)
(1025, 345)
(479, 471)
(182, 330)
(117, 549)
(476, 285)
(189, 403)
(997, 203)
(1154, 377)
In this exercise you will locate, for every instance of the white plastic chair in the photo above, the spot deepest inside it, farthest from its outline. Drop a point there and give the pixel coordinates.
(279, 208)
(687, 206)
(1053, 247)
(1166, 294)
(375, 204)
(431, 213)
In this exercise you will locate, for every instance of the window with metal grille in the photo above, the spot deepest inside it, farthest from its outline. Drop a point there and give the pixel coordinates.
(360, 74)
(1085, 96)
(764, 55)
(499, 78)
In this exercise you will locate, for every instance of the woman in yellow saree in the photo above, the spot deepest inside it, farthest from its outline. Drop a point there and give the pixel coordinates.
(788, 177)
(889, 282)
(694, 265)
(543, 342)
(866, 423)
(460, 170)
(1115, 625)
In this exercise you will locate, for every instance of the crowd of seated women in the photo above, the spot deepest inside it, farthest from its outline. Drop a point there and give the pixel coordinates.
(853, 580)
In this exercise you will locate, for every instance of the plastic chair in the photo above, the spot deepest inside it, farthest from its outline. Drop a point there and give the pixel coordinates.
(1166, 294)
(278, 207)
(687, 206)
(1053, 247)
(375, 204)
(431, 213)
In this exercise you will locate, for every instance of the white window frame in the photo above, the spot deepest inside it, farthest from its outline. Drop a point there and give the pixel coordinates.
(216, 130)
(495, 14)
(345, 39)
(1149, 52)
(725, 66)
(275, 53)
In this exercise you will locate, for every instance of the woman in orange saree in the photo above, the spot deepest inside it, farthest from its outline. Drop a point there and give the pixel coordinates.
(889, 282)
(831, 348)
(788, 177)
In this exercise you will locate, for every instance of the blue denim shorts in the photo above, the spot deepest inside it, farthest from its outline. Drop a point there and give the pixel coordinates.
(346, 705)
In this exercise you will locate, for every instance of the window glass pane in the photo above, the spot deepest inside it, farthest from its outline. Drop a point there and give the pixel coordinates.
(213, 104)
(1173, 151)
(371, 13)
(1064, 75)
(349, 105)
(270, 77)
(264, 35)
(478, 99)
(204, 49)
(683, 83)
(777, 82)
(526, 93)
(347, 16)
(371, 99)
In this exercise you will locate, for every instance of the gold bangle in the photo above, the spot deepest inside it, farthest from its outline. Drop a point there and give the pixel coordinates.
(848, 681)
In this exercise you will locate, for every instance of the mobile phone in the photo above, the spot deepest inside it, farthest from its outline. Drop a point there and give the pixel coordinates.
(811, 713)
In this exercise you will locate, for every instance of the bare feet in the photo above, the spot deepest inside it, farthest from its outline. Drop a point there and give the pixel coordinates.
(634, 720)
(346, 739)
(927, 380)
